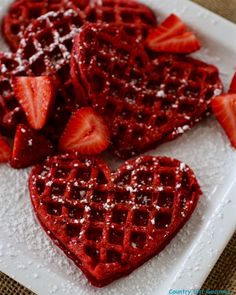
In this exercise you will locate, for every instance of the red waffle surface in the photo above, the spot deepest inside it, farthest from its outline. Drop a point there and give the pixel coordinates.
(135, 17)
(22, 12)
(145, 98)
(109, 223)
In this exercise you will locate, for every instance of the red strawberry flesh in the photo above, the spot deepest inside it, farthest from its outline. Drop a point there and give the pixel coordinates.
(172, 37)
(85, 133)
(232, 88)
(36, 96)
(185, 43)
(171, 27)
(224, 108)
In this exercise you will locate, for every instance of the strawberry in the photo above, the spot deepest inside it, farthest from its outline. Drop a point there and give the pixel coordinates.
(232, 88)
(29, 147)
(36, 96)
(172, 36)
(5, 150)
(172, 26)
(185, 43)
(85, 133)
(224, 108)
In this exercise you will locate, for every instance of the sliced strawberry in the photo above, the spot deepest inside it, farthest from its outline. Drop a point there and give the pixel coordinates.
(85, 133)
(36, 96)
(5, 150)
(172, 36)
(232, 88)
(184, 43)
(224, 108)
(172, 26)
(29, 148)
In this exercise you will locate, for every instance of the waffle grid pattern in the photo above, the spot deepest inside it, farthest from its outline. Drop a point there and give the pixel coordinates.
(22, 12)
(145, 97)
(133, 16)
(111, 218)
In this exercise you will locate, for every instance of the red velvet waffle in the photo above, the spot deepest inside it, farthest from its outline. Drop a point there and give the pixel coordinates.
(135, 17)
(111, 223)
(22, 12)
(146, 98)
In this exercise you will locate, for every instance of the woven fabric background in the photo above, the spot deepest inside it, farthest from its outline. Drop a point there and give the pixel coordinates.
(223, 275)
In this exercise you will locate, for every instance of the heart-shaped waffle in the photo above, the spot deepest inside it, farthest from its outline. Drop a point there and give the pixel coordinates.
(22, 12)
(109, 223)
(146, 98)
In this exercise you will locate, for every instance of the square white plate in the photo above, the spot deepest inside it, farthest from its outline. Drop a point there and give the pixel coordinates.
(27, 255)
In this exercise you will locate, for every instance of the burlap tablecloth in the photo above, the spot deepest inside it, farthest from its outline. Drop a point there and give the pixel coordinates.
(223, 275)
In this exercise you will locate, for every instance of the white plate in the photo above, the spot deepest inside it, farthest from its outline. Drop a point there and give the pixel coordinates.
(27, 254)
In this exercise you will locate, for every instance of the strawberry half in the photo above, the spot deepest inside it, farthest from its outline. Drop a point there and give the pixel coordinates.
(224, 108)
(36, 96)
(5, 150)
(171, 27)
(29, 148)
(172, 37)
(85, 133)
(232, 88)
(185, 43)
